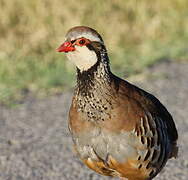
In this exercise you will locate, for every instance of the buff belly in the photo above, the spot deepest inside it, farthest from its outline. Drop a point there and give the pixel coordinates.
(110, 154)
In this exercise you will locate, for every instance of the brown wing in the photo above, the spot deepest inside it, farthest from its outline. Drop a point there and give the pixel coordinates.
(152, 105)
(153, 125)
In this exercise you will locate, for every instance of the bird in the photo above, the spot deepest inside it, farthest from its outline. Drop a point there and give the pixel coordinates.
(118, 129)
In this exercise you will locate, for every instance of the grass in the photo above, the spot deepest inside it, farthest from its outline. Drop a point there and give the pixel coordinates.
(137, 34)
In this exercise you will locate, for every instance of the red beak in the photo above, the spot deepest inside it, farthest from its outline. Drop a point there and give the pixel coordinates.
(66, 47)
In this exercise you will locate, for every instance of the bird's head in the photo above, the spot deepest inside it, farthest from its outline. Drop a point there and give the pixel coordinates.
(83, 46)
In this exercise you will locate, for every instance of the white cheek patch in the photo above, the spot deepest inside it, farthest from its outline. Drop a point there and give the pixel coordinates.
(83, 58)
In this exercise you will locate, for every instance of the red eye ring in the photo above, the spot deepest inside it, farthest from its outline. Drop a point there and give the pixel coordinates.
(82, 42)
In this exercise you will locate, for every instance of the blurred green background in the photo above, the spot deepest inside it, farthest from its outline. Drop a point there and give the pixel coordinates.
(137, 33)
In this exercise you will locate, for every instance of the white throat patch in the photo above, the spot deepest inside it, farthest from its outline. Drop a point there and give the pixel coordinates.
(82, 57)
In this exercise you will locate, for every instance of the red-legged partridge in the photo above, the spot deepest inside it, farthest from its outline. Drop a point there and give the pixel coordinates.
(118, 129)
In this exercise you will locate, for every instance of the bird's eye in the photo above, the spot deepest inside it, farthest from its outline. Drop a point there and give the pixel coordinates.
(82, 42)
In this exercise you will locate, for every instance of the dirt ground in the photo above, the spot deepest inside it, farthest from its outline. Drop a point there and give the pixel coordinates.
(35, 142)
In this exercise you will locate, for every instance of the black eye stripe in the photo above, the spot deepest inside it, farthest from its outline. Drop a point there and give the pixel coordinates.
(73, 41)
(90, 47)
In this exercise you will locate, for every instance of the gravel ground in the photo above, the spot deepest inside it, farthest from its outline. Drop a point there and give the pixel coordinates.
(35, 142)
